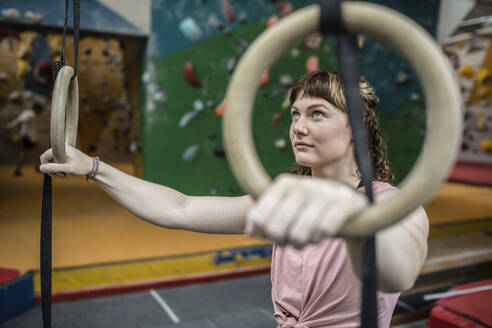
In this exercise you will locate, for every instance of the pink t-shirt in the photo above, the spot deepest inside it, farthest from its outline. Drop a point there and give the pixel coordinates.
(315, 287)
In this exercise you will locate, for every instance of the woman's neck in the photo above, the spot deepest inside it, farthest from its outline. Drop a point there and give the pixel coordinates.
(343, 170)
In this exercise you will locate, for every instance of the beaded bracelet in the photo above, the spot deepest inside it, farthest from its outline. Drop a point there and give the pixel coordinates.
(95, 167)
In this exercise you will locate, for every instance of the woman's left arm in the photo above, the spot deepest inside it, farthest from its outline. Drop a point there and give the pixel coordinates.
(401, 250)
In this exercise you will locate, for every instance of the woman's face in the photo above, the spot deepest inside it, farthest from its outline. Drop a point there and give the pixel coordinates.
(320, 133)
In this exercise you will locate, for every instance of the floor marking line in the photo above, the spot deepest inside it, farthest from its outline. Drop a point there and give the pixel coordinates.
(458, 292)
(164, 305)
(267, 313)
(459, 256)
(406, 306)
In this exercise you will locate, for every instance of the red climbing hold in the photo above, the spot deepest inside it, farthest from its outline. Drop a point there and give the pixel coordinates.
(189, 74)
(228, 12)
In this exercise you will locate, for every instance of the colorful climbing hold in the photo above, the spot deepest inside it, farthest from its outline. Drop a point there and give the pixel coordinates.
(280, 143)
(4, 78)
(231, 64)
(286, 101)
(215, 22)
(402, 78)
(219, 151)
(186, 118)
(219, 111)
(242, 19)
(11, 13)
(241, 45)
(467, 71)
(190, 153)
(312, 64)
(284, 8)
(21, 69)
(198, 105)
(486, 146)
(264, 77)
(294, 53)
(483, 75)
(33, 17)
(313, 41)
(360, 41)
(286, 80)
(414, 96)
(481, 124)
(228, 12)
(272, 20)
(190, 29)
(189, 74)
(453, 58)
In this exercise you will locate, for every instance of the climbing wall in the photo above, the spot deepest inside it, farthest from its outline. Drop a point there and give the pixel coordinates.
(15, 67)
(472, 60)
(190, 64)
(473, 63)
(25, 75)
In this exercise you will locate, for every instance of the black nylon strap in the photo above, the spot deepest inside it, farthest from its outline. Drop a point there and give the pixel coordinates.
(46, 211)
(76, 30)
(46, 252)
(331, 21)
(62, 57)
(331, 18)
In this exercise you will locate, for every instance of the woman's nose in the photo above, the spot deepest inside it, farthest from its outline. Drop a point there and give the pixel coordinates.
(300, 127)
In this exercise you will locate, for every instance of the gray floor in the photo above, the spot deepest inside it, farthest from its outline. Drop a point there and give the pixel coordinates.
(237, 303)
(244, 302)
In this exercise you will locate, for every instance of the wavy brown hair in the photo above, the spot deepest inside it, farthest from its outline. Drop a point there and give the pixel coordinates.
(328, 86)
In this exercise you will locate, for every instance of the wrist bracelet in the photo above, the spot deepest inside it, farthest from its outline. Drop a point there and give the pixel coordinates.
(95, 168)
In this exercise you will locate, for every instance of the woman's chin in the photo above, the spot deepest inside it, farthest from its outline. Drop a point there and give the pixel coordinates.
(304, 161)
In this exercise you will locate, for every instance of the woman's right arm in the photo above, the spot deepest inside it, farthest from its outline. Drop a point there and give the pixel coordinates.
(155, 203)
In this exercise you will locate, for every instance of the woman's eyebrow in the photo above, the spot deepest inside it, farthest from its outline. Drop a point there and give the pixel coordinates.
(318, 105)
(313, 106)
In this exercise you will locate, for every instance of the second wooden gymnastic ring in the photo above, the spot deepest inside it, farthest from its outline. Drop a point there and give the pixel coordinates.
(443, 103)
(64, 113)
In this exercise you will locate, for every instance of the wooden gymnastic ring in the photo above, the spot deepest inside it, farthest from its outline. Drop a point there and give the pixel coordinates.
(64, 113)
(443, 102)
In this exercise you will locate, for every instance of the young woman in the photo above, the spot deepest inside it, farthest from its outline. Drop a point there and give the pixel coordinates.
(314, 276)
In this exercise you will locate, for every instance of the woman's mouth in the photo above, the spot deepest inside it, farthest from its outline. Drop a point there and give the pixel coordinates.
(302, 145)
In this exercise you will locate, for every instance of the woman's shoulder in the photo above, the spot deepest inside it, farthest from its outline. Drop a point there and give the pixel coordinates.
(380, 186)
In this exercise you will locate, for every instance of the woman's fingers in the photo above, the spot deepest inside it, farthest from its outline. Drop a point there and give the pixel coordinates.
(301, 232)
(46, 157)
(299, 211)
(59, 170)
(336, 216)
(266, 204)
(288, 209)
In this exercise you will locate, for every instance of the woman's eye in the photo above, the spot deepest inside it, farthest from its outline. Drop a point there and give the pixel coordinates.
(317, 114)
(295, 115)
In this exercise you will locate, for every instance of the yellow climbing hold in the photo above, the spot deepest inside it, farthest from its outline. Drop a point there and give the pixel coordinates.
(483, 76)
(481, 124)
(21, 68)
(486, 146)
(467, 71)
